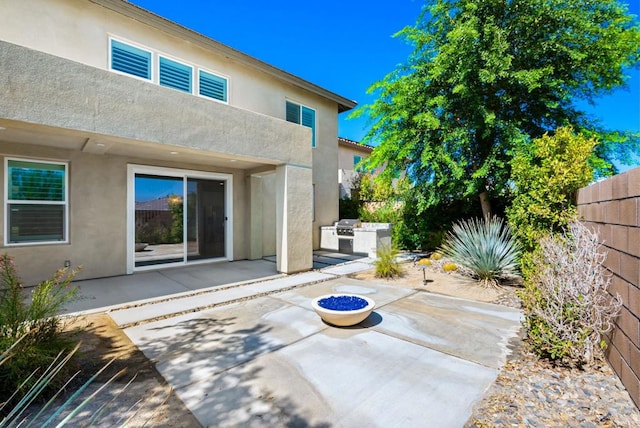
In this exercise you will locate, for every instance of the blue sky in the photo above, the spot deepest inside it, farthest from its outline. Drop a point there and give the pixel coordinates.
(341, 45)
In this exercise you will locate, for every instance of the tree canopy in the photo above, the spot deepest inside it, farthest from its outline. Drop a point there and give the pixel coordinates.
(486, 77)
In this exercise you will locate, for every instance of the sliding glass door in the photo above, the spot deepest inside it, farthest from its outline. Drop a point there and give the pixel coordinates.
(178, 217)
(205, 219)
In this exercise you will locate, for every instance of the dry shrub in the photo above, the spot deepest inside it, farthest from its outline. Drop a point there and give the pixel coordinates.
(567, 306)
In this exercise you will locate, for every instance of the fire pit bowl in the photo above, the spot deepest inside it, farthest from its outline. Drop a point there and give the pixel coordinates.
(343, 309)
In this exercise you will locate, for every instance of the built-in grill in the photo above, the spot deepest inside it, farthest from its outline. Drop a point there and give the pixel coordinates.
(350, 236)
(345, 227)
(344, 230)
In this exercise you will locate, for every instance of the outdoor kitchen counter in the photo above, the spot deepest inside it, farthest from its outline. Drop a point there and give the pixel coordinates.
(366, 238)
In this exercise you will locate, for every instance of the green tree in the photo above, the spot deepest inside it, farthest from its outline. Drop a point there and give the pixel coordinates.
(486, 77)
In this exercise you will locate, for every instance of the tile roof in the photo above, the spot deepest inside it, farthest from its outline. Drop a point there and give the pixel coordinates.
(354, 144)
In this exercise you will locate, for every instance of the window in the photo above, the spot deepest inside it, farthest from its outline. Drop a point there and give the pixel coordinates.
(212, 86)
(36, 201)
(304, 116)
(130, 59)
(175, 75)
(356, 161)
(137, 61)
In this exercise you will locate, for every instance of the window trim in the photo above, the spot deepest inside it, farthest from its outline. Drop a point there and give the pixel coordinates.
(133, 169)
(8, 201)
(191, 73)
(152, 62)
(314, 142)
(155, 69)
(219, 75)
(355, 163)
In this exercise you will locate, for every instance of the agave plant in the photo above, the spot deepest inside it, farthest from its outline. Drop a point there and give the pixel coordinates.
(486, 247)
(16, 411)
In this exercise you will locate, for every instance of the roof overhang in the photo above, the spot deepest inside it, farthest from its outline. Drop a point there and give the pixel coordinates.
(149, 18)
(354, 145)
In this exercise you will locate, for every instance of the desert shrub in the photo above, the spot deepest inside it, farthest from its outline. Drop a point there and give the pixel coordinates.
(567, 307)
(349, 208)
(435, 256)
(384, 212)
(547, 173)
(387, 265)
(486, 247)
(425, 225)
(32, 330)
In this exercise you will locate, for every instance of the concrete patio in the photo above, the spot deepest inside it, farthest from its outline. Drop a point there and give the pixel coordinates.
(257, 355)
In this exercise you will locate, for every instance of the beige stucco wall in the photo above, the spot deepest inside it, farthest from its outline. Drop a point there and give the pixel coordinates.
(325, 180)
(293, 213)
(79, 30)
(268, 190)
(346, 154)
(57, 78)
(60, 93)
(98, 213)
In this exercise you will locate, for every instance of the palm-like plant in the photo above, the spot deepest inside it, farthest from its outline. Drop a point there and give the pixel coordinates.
(486, 247)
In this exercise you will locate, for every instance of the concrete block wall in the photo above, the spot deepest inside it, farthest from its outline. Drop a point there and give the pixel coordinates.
(612, 207)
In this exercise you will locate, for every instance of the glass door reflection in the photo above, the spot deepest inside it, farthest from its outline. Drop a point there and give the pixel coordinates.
(159, 219)
(205, 219)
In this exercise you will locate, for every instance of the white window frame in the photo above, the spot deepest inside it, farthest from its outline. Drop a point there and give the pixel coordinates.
(133, 169)
(314, 137)
(135, 45)
(155, 69)
(179, 61)
(220, 75)
(7, 201)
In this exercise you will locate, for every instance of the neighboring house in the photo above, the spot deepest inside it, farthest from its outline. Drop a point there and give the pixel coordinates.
(107, 107)
(350, 153)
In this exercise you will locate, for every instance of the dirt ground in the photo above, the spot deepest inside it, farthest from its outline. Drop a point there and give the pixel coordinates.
(433, 279)
(139, 392)
(153, 399)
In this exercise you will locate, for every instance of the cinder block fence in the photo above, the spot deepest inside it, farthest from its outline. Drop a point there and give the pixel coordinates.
(612, 207)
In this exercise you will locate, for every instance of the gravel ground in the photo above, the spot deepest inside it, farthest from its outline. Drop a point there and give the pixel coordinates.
(532, 393)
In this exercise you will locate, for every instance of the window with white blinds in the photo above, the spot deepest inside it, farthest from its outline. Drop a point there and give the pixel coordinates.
(36, 197)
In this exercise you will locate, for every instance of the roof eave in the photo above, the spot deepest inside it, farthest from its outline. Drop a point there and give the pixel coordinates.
(147, 17)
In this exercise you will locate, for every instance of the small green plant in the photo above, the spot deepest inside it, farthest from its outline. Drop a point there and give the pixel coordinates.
(566, 304)
(387, 265)
(30, 331)
(486, 247)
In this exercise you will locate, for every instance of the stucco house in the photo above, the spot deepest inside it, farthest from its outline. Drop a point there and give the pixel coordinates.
(350, 153)
(107, 107)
